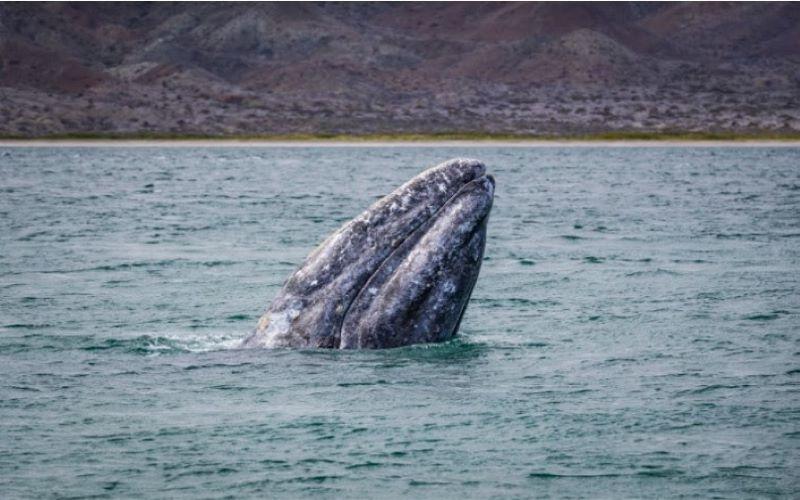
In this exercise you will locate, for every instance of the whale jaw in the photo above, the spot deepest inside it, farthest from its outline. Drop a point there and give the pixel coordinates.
(400, 273)
(420, 293)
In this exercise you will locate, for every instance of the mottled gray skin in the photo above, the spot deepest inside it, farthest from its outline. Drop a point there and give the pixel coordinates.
(400, 273)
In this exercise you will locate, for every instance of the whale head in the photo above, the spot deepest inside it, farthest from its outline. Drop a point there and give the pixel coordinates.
(400, 273)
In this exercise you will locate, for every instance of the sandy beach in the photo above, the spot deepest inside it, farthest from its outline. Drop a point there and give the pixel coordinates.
(233, 143)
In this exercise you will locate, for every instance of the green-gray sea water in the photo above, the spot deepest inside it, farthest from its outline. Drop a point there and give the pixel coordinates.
(634, 331)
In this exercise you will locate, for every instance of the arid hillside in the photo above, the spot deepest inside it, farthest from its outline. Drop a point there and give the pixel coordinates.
(276, 68)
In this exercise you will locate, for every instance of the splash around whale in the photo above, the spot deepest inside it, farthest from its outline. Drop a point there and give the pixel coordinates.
(400, 273)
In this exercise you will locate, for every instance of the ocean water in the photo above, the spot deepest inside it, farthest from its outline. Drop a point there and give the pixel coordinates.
(634, 331)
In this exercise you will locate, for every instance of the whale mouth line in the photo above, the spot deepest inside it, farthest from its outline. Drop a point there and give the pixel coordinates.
(413, 234)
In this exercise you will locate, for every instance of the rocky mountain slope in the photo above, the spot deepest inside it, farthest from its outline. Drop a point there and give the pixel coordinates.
(273, 68)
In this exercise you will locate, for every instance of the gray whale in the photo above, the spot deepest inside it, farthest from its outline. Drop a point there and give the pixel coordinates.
(400, 273)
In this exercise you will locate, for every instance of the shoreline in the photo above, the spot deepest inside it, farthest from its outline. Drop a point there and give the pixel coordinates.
(345, 143)
(435, 139)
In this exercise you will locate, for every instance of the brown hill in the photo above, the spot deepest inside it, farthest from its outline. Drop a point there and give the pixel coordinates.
(225, 68)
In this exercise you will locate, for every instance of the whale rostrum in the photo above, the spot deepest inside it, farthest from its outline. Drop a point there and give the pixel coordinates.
(400, 273)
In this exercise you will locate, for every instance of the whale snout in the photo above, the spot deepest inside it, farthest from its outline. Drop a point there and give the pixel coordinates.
(420, 293)
(400, 273)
